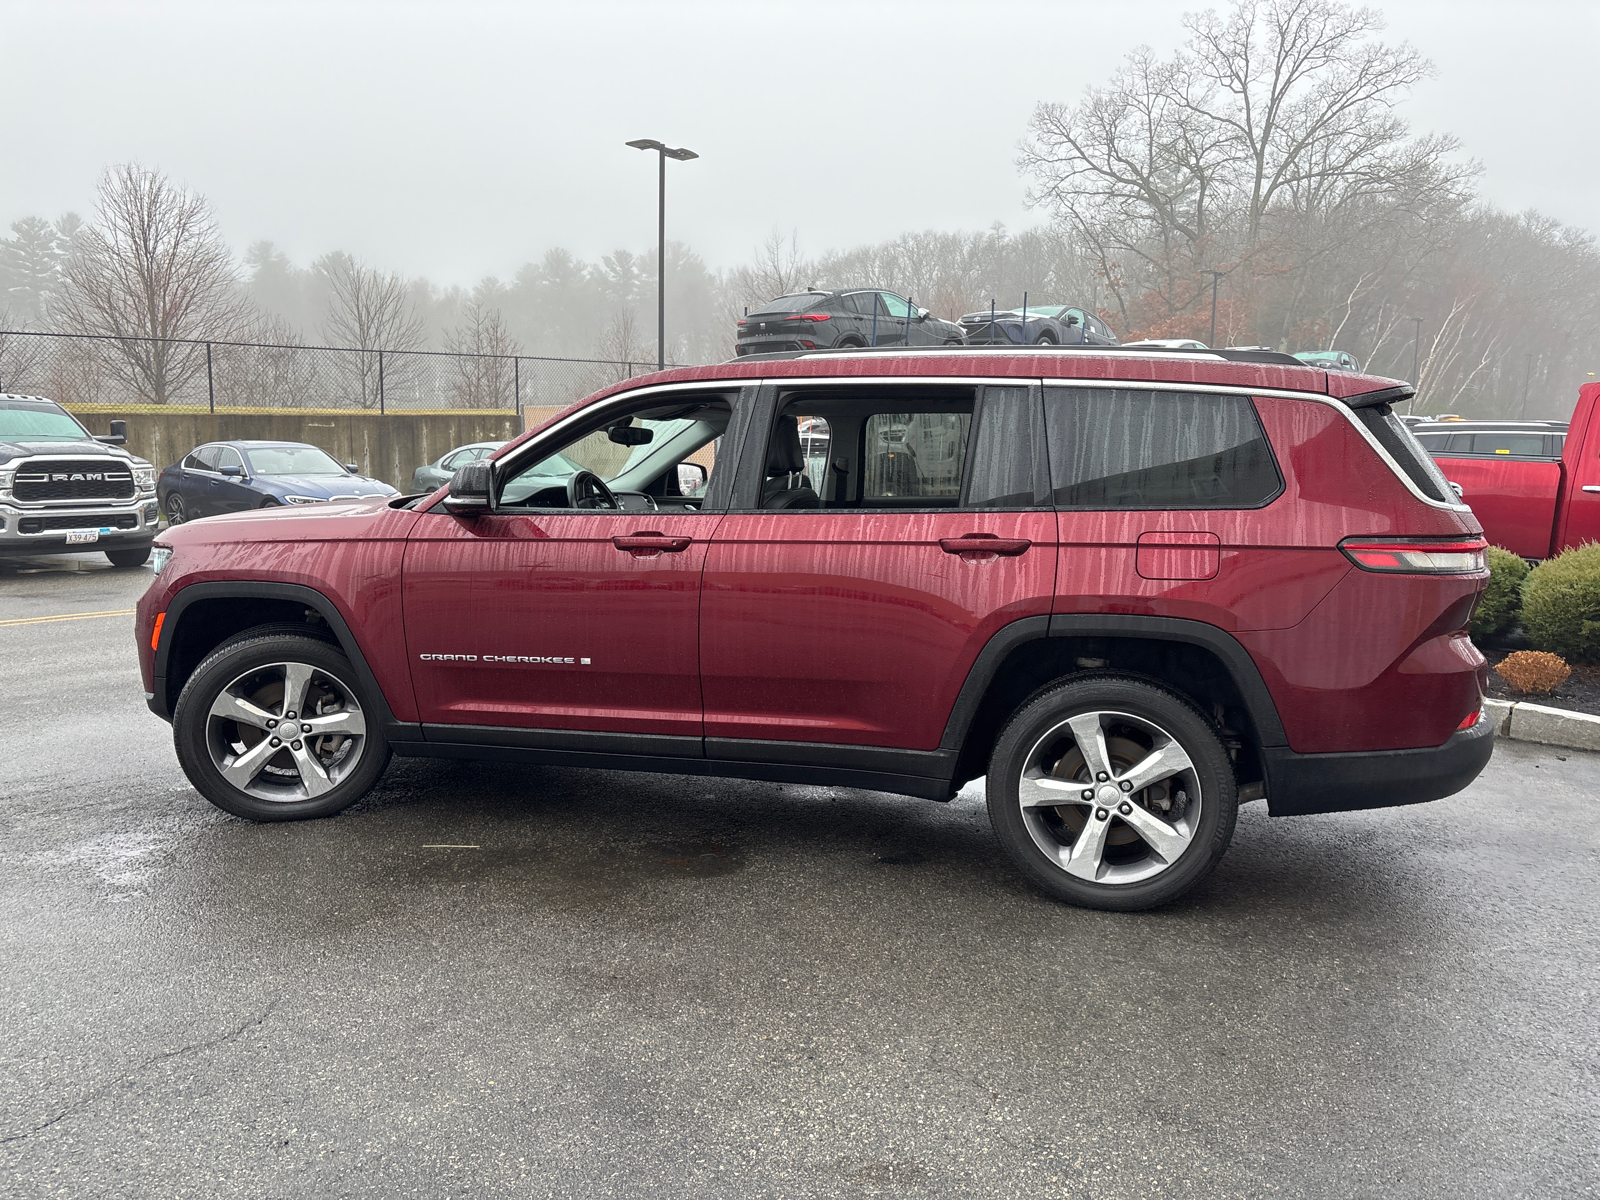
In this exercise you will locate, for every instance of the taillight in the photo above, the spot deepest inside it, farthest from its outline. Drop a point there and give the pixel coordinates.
(1412, 556)
(741, 322)
(810, 317)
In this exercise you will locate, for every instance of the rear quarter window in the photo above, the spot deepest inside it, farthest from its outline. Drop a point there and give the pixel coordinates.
(1126, 448)
(1396, 437)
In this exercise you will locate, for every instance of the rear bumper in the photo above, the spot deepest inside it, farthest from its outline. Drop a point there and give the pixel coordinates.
(1299, 784)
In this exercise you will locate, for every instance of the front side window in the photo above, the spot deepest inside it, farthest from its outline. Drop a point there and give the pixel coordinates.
(639, 454)
(1126, 448)
(229, 458)
(896, 306)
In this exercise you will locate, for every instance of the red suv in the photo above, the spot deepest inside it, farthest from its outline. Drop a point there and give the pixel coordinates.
(1131, 588)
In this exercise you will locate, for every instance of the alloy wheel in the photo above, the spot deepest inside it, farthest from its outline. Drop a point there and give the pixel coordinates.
(285, 732)
(1110, 797)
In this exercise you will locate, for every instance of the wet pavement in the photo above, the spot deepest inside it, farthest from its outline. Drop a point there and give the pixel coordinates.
(491, 980)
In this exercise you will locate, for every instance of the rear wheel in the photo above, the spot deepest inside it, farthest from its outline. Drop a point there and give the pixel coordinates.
(176, 513)
(275, 728)
(1110, 792)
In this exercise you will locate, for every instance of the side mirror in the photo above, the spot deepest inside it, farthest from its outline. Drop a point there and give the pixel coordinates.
(1072, 320)
(691, 478)
(118, 435)
(469, 490)
(922, 314)
(352, 468)
(631, 435)
(231, 472)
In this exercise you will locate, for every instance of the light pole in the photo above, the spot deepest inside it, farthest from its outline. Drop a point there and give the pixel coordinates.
(1216, 278)
(681, 155)
(1416, 354)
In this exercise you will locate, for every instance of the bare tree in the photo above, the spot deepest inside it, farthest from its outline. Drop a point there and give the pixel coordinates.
(151, 268)
(372, 312)
(485, 369)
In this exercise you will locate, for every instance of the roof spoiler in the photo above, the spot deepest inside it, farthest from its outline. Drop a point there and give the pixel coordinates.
(1389, 395)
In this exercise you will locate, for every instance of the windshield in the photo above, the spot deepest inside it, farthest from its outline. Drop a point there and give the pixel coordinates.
(292, 460)
(1047, 310)
(39, 423)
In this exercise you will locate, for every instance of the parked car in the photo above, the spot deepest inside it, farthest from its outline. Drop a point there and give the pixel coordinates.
(436, 474)
(1049, 325)
(1534, 485)
(824, 320)
(221, 477)
(1165, 344)
(1139, 593)
(1329, 360)
(64, 490)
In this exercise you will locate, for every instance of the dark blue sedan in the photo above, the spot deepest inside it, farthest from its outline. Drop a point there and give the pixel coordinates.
(224, 477)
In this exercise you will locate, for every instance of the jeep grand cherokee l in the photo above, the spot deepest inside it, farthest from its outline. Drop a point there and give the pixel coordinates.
(1130, 590)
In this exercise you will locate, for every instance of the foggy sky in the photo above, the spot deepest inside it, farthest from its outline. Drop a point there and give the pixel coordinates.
(459, 140)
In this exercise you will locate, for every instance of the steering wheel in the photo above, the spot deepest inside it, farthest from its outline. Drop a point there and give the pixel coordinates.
(587, 490)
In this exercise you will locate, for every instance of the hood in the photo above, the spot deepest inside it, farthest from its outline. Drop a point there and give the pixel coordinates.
(281, 523)
(80, 449)
(326, 486)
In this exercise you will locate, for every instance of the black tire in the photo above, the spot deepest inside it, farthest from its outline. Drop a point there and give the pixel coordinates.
(849, 343)
(135, 556)
(1120, 870)
(1045, 340)
(279, 788)
(269, 502)
(176, 513)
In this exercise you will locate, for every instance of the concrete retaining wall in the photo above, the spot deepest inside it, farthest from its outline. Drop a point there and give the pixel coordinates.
(387, 447)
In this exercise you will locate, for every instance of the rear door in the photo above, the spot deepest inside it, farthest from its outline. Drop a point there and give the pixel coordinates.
(856, 623)
(200, 471)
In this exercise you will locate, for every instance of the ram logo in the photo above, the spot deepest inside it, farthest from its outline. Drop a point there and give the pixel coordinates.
(63, 477)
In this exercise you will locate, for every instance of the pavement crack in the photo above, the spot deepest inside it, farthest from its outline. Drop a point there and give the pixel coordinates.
(221, 1039)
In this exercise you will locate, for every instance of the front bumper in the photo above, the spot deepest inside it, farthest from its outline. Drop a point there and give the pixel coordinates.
(1299, 784)
(27, 530)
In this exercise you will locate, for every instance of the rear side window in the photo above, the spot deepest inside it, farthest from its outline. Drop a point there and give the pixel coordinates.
(1119, 448)
(1394, 436)
(913, 455)
(804, 302)
(1001, 470)
(1524, 445)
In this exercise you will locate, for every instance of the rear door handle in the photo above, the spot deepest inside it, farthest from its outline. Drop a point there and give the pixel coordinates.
(642, 544)
(1591, 487)
(984, 543)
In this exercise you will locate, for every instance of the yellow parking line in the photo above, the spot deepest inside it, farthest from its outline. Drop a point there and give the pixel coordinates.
(110, 612)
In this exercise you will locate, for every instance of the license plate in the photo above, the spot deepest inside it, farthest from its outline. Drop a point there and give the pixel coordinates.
(80, 537)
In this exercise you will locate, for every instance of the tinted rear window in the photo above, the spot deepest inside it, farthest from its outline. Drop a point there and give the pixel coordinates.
(786, 304)
(1395, 436)
(1119, 448)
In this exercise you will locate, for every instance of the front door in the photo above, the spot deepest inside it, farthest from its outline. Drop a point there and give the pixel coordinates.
(554, 616)
(856, 623)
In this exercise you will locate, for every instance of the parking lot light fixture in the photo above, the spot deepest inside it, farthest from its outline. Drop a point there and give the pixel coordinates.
(682, 155)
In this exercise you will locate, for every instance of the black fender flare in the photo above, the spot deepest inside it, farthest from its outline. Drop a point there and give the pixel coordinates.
(1233, 656)
(251, 589)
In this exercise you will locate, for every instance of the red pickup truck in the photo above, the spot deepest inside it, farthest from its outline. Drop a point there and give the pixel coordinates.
(1535, 494)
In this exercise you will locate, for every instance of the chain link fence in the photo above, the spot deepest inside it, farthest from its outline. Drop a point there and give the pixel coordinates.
(85, 371)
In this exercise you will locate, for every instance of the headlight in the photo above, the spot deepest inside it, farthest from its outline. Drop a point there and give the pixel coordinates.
(306, 499)
(7, 474)
(145, 477)
(159, 557)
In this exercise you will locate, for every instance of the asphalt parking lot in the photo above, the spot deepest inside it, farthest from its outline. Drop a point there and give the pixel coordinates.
(493, 981)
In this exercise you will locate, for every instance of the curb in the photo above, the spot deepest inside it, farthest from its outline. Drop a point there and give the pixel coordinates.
(1525, 722)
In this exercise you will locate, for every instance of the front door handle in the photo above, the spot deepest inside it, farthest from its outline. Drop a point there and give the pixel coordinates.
(984, 543)
(642, 545)
(1591, 487)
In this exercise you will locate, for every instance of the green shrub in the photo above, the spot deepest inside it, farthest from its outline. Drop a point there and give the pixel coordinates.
(1561, 604)
(1502, 599)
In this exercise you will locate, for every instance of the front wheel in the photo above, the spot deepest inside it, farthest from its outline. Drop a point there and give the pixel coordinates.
(275, 728)
(1112, 793)
(135, 557)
